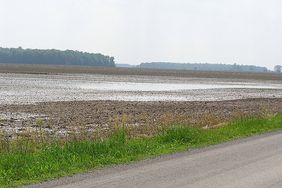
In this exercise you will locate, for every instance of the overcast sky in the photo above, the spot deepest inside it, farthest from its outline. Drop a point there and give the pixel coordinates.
(135, 31)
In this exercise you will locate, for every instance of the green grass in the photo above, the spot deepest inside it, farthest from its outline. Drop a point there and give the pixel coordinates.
(21, 166)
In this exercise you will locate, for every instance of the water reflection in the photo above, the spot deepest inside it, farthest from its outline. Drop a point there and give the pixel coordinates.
(130, 86)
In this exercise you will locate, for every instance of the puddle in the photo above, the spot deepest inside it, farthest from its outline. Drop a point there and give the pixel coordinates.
(129, 86)
(25, 88)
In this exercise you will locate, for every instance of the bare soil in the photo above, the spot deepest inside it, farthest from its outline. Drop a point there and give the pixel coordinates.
(65, 117)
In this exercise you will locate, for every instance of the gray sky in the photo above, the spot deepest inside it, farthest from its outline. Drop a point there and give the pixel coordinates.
(135, 31)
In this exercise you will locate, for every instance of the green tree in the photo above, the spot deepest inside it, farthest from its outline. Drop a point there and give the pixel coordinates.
(53, 57)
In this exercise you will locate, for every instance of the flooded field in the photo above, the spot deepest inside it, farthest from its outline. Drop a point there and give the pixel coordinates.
(32, 88)
(66, 103)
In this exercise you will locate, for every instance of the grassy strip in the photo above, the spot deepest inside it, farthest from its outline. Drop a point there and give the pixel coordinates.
(18, 167)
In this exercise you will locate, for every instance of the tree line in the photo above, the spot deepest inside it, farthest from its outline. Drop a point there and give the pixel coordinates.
(204, 67)
(53, 57)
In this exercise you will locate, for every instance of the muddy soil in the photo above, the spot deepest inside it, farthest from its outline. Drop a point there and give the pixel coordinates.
(65, 117)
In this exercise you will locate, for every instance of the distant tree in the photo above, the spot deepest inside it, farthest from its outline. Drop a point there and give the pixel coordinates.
(204, 67)
(278, 68)
(53, 57)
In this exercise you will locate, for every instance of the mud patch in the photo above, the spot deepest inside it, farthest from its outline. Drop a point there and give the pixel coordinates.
(18, 123)
(64, 118)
